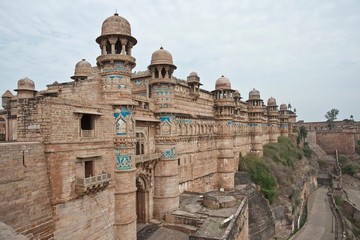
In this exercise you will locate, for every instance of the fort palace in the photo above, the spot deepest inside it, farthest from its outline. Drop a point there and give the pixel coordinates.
(93, 156)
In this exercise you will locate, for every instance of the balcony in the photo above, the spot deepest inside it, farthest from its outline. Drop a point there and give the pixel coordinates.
(147, 157)
(92, 184)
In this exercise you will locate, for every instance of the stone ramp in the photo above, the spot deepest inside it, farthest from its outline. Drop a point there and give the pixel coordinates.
(168, 234)
(311, 139)
(317, 149)
(156, 232)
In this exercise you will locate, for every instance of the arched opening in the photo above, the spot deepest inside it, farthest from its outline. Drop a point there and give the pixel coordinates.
(142, 200)
(156, 73)
(108, 47)
(163, 72)
(118, 47)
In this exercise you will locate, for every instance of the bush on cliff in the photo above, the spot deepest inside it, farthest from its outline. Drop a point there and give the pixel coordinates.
(261, 175)
(284, 152)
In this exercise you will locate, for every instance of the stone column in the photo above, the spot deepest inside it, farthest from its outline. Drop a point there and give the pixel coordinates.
(112, 41)
(166, 181)
(123, 45)
(103, 47)
(125, 175)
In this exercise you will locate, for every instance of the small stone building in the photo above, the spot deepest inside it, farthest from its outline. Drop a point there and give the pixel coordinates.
(91, 157)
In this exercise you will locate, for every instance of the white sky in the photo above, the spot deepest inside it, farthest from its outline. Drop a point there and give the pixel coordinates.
(302, 52)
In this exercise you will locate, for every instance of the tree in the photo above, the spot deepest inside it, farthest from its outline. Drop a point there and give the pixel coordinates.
(302, 134)
(331, 116)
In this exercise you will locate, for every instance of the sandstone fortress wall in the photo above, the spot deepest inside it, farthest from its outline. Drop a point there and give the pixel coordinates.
(90, 157)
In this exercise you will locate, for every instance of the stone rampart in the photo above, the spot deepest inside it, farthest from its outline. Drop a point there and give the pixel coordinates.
(25, 190)
(342, 141)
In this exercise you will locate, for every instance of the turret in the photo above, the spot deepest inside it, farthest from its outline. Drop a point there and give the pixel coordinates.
(193, 80)
(115, 64)
(273, 120)
(162, 87)
(256, 120)
(162, 84)
(224, 98)
(82, 70)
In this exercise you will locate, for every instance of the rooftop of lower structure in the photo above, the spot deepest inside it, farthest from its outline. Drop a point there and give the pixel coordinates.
(191, 206)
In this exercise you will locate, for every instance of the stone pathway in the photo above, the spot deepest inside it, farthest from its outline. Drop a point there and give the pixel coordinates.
(320, 218)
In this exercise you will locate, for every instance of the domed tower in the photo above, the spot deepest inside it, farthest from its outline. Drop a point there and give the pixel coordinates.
(256, 121)
(116, 61)
(284, 120)
(26, 88)
(82, 70)
(223, 98)
(193, 80)
(115, 64)
(162, 87)
(162, 84)
(224, 107)
(273, 120)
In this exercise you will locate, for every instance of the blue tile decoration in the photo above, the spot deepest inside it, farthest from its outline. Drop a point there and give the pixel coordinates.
(123, 162)
(171, 153)
(164, 119)
(120, 120)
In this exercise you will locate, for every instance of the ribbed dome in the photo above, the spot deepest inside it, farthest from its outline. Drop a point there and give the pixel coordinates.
(283, 107)
(161, 56)
(116, 25)
(193, 78)
(223, 83)
(271, 102)
(254, 94)
(82, 69)
(193, 74)
(26, 84)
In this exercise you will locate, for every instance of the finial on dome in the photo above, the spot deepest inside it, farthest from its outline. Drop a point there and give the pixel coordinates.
(116, 13)
(161, 47)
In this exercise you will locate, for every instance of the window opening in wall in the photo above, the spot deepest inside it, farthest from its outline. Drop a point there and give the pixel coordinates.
(89, 169)
(179, 161)
(87, 122)
(140, 141)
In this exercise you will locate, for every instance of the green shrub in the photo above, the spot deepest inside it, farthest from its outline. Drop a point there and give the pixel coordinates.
(261, 175)
(284, 152)
(349, 168)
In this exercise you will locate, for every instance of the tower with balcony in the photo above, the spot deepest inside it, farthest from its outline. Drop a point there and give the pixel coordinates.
(162, 88)
(273, 120)
(224, 107)
(115, 64)
(256, 121)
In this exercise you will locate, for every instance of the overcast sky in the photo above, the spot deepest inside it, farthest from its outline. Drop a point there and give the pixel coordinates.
(302, 52)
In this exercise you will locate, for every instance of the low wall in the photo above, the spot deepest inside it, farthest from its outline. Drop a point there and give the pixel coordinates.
(351, 211)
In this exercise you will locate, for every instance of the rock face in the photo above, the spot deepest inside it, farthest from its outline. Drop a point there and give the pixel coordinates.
(261, 220)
